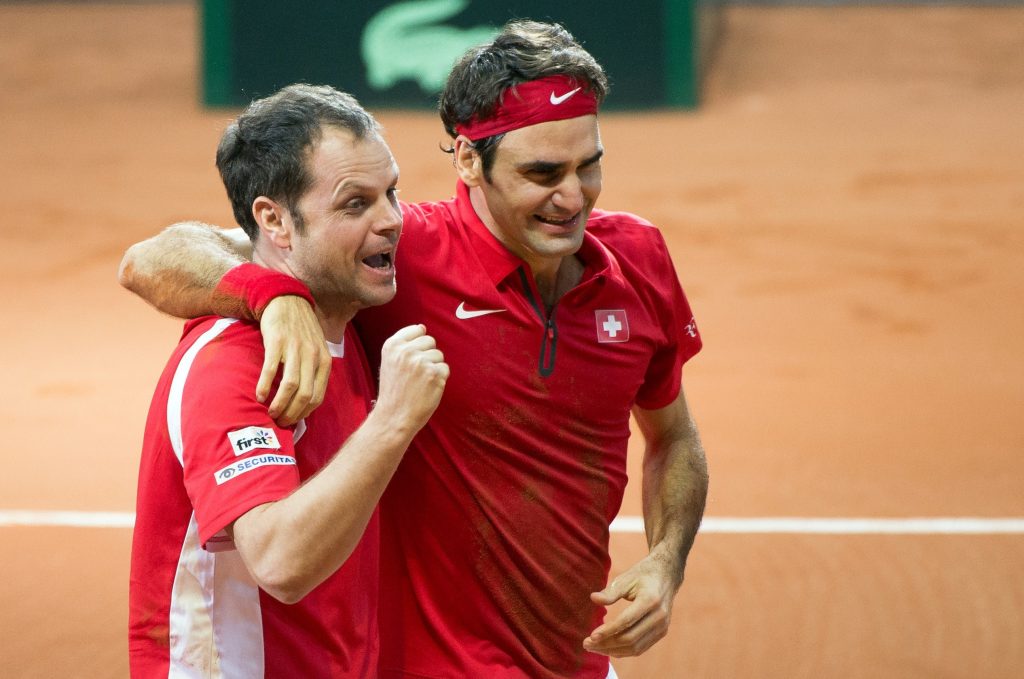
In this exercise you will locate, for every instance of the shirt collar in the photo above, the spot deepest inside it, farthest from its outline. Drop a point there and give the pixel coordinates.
(499, 262)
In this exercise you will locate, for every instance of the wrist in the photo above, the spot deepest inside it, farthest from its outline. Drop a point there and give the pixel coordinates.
(395, 424)
(255, 286)
(670, 560)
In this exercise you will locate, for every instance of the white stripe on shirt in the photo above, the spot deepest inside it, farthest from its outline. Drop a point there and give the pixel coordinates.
(216, 624)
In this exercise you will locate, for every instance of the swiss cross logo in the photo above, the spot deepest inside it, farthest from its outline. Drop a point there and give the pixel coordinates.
(612, 325)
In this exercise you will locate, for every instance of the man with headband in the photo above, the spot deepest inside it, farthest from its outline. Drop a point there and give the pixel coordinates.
(557, 320)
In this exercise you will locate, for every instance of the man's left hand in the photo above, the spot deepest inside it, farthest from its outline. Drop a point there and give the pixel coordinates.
(651, 589)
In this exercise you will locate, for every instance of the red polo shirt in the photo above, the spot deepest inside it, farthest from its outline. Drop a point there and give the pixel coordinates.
(210, 454)
(496, 523)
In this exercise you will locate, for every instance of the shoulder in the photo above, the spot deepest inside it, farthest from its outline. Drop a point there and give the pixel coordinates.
(221, 334)
(607, 219)
(426, 217)
(630, 238)
(429, 232)
(217, 350)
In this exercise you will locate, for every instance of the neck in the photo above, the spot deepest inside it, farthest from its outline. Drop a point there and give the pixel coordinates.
(552, 285)
(554, 277)
(332, 318)
(333, 325)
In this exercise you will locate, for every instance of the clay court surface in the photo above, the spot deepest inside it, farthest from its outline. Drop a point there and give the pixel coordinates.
(847, 216)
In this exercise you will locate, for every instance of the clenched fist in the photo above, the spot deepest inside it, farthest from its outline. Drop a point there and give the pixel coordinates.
(412, 377)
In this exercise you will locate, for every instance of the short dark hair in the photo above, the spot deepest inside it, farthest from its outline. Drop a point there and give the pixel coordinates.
(264, 151)
(524, 50)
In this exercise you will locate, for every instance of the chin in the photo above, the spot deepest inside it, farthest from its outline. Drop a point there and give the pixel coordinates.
(564, 246)
(378, 297)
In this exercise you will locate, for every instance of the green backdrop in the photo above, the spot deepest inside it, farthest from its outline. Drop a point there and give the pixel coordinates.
(397, 54)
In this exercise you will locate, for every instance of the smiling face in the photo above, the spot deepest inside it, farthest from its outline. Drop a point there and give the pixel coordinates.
(543, 185)
(351, 221)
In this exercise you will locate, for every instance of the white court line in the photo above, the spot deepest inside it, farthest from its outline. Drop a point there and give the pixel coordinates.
(843, 526)
(635, 524)
(67, 519)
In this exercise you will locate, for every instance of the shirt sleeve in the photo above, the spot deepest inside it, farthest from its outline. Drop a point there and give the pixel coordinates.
(234, 456)
(681, 339)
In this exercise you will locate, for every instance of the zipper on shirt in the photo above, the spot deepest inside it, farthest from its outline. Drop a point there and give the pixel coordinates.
(549, 340)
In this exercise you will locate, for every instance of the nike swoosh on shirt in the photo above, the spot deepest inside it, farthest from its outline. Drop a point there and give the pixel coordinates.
(463, 313)
(558, 100)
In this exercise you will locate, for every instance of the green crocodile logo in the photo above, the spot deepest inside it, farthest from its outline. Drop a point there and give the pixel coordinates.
(407, 41)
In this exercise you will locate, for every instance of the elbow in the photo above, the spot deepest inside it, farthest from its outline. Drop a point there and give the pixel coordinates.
(280, 561)
(277, 567)
(287, 596)
(126, 271)
(284, 584)
(141, 257)
(289, 580)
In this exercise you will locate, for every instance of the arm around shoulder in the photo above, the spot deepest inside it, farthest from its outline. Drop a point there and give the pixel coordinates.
(178, 269)
(183, 271)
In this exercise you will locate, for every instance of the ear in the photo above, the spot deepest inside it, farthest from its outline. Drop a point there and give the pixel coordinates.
(468, 163)
(274, 220)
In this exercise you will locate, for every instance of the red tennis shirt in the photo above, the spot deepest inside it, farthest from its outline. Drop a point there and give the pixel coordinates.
(496, 522)
(210, 454)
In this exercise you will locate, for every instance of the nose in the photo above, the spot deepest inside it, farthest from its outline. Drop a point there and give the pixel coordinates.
(570, 194)
(389, 220)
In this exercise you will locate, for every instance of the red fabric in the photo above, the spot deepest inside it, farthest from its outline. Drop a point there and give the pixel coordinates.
(256, 286)
(176, 586)
(556, 97)
(496, 522)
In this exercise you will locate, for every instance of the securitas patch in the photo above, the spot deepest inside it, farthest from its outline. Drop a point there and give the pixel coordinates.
(248, 464)
(244, 441)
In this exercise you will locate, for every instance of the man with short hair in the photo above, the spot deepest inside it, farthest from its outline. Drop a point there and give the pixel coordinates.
(558, 320)
(256, 546)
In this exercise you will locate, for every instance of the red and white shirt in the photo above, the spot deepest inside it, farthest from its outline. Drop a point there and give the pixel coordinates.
(496, 522)
(210, 454)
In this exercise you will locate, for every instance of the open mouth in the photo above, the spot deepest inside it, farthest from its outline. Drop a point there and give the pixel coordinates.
(568, 221)
(381, 260)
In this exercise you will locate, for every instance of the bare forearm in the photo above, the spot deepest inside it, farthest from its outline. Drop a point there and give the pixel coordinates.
(293, 545)
(675, 486)
(674, 495)
(178, 269)
(674, 489)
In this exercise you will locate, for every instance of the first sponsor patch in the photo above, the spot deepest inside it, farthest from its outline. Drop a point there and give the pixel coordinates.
(248, 464)
(244, 441)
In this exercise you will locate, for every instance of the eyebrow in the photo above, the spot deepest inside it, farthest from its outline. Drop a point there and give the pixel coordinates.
(349, 185)
(345, 186)
(546, 167)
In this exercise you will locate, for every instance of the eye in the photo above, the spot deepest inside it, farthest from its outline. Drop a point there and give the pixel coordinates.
(357, 203)
(545, 177)
(590, 171)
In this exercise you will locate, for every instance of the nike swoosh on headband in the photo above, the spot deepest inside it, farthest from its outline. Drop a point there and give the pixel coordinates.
(558, 100)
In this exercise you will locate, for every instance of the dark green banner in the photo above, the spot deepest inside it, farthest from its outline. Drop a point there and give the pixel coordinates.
(397, 54)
